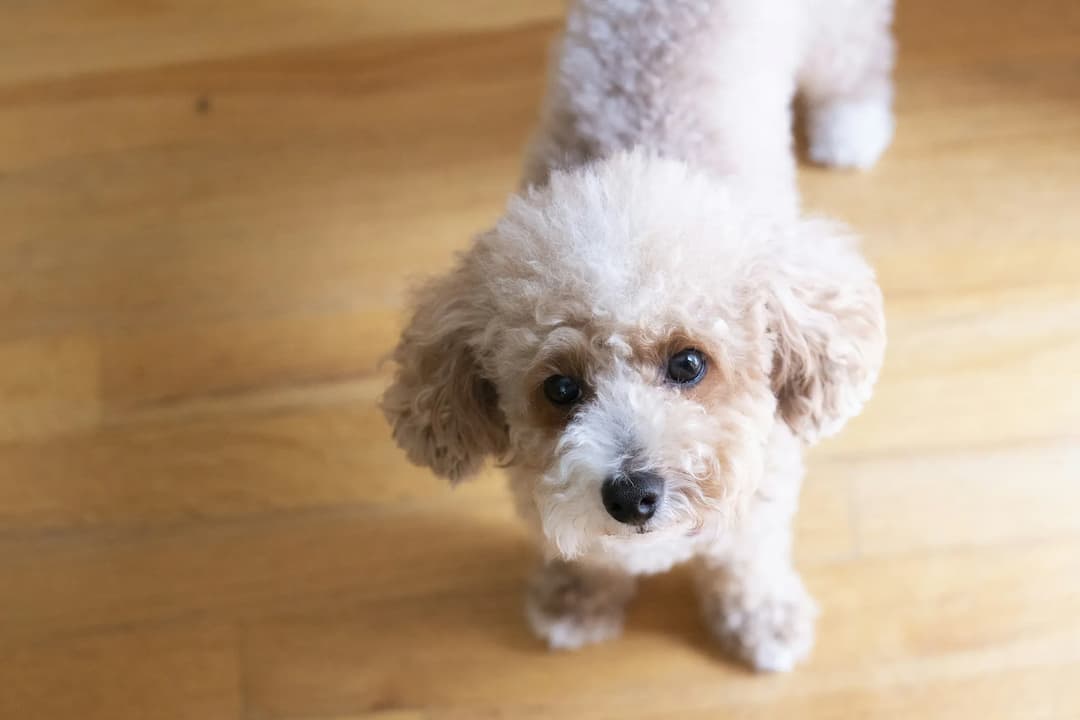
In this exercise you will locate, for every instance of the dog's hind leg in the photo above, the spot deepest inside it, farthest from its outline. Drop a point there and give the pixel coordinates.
(845, 82)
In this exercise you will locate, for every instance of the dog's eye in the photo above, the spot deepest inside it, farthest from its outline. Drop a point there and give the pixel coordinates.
(562, 390)
(686, 367)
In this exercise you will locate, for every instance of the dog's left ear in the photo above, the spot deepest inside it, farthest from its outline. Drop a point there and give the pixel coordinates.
(828, 326)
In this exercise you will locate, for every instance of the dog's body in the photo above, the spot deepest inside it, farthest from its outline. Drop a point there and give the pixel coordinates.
(712, 81)
(651, 332)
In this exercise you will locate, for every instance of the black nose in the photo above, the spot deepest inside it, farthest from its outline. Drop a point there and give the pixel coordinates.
(632, 498)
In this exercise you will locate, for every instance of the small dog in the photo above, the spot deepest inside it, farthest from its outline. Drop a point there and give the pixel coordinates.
(651, 332)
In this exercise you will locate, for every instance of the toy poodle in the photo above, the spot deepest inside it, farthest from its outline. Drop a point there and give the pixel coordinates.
(652, 331)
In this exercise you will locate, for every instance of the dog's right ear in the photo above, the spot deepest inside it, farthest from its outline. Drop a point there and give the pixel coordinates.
(444, 413)
(828, 327)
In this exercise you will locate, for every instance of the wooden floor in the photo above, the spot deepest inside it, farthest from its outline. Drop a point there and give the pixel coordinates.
(208, 214)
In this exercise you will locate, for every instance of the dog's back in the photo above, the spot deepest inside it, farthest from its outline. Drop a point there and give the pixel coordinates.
(712, 83)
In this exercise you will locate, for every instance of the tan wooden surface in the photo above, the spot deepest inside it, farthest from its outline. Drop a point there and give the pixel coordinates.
(208, 214)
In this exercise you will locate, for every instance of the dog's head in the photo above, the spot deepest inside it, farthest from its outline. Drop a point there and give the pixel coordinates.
(629, 338)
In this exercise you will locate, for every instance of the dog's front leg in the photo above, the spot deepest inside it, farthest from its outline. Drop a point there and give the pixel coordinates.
(570, 605)
(755, 603)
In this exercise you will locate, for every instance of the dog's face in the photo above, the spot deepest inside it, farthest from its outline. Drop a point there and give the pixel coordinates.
(627, 339)
(642, 420)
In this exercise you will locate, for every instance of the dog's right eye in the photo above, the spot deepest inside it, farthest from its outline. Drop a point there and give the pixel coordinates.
(562, 390)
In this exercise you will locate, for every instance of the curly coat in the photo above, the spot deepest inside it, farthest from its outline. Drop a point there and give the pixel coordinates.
(659, 212)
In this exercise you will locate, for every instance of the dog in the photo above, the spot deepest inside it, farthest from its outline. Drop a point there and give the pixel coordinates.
(652, 331)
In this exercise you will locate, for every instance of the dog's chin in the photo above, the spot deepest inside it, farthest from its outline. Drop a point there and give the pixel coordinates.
(647, 549)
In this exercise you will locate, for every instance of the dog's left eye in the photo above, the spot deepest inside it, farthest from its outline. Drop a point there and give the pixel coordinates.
(686, 367)
(562, 390)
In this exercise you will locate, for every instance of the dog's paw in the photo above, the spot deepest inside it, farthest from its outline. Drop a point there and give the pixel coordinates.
(849, 133)
(769, 629)
(571, 631)
(569, 608)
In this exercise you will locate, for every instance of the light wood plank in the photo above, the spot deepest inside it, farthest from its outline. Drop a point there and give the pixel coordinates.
(161, 369)
(967, 498)
(270, 564)
(181, 672)
(48, 387)
(70, 36)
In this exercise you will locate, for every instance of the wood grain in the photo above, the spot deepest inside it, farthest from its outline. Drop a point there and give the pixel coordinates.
(211, 214)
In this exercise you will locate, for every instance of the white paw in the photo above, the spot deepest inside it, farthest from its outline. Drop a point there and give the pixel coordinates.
(770, 630)
(849, 134)
(570, 631)
(570, 607)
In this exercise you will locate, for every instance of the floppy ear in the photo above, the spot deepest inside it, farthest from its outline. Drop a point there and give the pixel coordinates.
(444, 413)
(826, 317)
